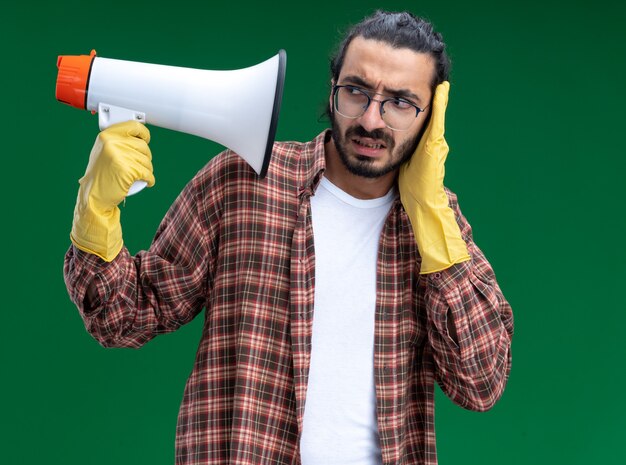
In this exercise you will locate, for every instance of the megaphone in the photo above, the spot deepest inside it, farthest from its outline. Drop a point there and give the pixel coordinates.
(237, 109)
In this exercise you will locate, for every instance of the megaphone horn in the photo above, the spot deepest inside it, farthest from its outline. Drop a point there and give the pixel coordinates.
(237, 109)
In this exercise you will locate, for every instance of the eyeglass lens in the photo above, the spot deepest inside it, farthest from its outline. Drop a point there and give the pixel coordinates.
(353, 102)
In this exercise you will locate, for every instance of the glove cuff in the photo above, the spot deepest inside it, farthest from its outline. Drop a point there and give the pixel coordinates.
(438, 238)
(96, 233)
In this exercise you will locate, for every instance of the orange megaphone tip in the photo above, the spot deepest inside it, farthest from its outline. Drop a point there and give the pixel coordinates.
(73, 79)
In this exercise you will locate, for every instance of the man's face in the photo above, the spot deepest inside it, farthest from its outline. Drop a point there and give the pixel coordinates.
(366, 146)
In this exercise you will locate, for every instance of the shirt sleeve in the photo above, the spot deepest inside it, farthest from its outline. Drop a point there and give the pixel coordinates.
(473, 365)
(157, 290)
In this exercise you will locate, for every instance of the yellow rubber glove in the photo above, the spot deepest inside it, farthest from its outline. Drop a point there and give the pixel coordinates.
(120, 156)
(422, 193)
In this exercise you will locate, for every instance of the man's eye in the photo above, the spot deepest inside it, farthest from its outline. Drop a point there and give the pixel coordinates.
(355, 91)
(401, 104)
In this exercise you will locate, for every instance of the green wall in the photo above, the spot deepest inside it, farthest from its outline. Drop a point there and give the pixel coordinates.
(536, 129)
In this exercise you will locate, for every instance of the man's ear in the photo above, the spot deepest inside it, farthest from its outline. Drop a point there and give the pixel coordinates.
(331, 107)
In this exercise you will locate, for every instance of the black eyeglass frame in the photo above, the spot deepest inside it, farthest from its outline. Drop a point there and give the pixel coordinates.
(369, 94)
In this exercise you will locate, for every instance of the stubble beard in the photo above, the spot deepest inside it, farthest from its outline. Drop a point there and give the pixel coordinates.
(364, 166)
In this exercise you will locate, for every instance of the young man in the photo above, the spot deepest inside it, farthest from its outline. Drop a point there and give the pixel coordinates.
(337, 290)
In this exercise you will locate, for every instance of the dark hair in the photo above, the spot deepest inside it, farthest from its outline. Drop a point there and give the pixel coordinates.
(400, 30)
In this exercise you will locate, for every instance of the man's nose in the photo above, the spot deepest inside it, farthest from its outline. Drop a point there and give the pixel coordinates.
(371, 119)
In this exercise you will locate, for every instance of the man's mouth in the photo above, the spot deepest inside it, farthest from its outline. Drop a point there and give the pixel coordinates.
(369, 144)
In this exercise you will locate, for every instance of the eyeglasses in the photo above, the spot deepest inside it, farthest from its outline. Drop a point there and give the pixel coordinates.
(397, 113)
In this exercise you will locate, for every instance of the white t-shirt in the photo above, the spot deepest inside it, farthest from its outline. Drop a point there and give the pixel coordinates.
(340, 425)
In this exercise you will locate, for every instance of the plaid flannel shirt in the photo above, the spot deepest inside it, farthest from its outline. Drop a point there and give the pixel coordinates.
(243, 248)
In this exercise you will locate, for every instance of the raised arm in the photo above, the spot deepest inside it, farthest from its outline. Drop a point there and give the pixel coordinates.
(470, 324)
(470, 327)
(125, 301)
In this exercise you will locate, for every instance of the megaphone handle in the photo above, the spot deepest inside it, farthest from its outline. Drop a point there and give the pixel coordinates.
(136, 187)
(111, 114)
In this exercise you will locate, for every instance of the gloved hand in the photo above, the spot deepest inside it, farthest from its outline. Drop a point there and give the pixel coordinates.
(422, 193)
(120, 156)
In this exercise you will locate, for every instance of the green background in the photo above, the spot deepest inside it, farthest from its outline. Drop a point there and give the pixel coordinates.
(536, 129)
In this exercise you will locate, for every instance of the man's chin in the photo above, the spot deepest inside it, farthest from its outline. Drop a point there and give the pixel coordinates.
(367, 167)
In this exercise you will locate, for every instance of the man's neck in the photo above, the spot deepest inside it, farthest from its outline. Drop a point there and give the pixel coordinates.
(357, 186)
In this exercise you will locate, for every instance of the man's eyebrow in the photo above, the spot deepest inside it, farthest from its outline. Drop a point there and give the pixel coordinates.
(402, 93)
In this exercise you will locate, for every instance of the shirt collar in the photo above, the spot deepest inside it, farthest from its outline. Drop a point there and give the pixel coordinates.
(313, 162)
(313, 165)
